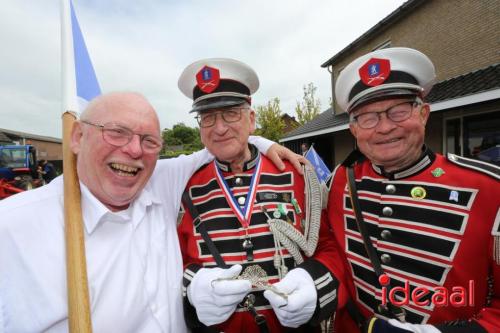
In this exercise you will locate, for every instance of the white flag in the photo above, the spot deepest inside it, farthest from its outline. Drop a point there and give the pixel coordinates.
(78, 76)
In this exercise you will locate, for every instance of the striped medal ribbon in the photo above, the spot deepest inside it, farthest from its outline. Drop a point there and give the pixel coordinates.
(244, 213)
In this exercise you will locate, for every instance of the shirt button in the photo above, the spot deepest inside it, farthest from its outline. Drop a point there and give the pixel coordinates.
(241, 201)
(385, 234)
(387, 211)
(391, 189)
(238, 181)
(385, 258)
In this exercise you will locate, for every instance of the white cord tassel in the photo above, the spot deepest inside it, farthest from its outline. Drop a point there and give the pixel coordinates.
(287, 235)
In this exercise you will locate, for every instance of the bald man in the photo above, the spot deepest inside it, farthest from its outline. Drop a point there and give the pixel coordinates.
(129, 205)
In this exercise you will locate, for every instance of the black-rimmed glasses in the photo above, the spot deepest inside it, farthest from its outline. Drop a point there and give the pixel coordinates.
(119, 136)
(397, 113)
(230, 115)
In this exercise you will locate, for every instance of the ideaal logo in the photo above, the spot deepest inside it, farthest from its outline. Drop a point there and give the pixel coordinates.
(441, 296)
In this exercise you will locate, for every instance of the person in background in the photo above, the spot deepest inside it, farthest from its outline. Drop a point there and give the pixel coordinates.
(46, 170)
(129, 205)
(304, 147)
(252, 235)
(407, 217)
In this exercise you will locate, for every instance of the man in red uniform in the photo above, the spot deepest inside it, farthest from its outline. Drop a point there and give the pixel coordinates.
(429, 225)
(255, 257)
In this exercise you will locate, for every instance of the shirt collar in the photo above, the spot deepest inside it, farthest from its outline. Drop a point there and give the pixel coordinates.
(425, 159)
(248, 165)
(95, 212)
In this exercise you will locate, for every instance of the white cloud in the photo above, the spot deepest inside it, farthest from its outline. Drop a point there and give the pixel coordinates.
(145, 45)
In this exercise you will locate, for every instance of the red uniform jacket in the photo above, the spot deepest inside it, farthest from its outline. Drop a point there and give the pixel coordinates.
(434, 224)
(226, 231)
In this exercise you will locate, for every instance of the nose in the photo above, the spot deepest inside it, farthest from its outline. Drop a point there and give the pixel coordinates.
(133, 148)
(384, 125)
(220, 125)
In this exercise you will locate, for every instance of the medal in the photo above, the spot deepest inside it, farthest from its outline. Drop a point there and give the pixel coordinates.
(418, 192)
(454, 196)
(282, 209)
(248, 247)
(296, 206)
(438, 172)
(243, 212)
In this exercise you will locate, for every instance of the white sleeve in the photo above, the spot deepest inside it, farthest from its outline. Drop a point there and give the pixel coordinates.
(171, 175)
(261, 143)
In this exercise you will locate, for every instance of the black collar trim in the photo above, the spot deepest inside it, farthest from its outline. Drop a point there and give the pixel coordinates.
(248, 165)
(422, 163)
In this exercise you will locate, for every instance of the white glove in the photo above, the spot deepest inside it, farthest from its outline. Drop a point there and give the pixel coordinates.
(215, 301)
(416, 328)
(302, 297)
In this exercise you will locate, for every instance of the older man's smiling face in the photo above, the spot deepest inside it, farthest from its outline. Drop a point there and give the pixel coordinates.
(116, 175)
(393, 145)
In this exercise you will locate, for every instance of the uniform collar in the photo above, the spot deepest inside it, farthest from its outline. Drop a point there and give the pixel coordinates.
(425, 159)
(248, 165)
(95, 212)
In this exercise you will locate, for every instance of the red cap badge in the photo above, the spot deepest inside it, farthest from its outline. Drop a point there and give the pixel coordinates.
(375, 71)
(208, 79)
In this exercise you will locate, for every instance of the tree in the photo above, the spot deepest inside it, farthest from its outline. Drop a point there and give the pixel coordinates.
(310, 106)
(271, 125)
(181, 134)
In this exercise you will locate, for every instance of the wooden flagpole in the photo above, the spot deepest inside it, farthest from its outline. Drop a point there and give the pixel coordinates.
(76, 266)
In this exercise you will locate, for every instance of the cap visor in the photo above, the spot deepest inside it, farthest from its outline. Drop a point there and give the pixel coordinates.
(217, 102)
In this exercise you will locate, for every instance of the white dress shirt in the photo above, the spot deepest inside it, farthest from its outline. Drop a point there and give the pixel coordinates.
(134, 264)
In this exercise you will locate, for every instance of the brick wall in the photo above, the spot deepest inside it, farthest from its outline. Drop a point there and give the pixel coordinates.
(459, 36)
(47, 150)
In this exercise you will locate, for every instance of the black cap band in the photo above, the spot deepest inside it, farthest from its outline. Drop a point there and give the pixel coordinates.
(394, 77)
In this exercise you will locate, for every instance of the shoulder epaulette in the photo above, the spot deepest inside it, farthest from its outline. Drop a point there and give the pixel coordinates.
(483, 167)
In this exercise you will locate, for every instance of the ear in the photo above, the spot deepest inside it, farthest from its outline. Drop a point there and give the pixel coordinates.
(76, 137)
(251, 114)
(424, 113)
(353, 129)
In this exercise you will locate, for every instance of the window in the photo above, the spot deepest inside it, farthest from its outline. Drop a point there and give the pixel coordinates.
(475, 136)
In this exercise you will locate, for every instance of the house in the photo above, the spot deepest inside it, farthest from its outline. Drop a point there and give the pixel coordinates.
(47, 148)
(290, 123)
(461, 38)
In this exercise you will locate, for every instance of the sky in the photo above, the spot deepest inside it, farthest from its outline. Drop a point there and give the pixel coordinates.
(145, 45)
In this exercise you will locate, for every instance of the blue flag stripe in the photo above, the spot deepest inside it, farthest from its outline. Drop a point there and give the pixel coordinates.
(87, 86)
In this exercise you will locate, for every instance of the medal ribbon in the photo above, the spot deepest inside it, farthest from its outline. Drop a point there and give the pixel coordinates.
(244, 214)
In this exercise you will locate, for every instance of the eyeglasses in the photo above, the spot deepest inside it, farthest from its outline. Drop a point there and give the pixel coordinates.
(120, 136)
(230, 115)
(397, 113)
